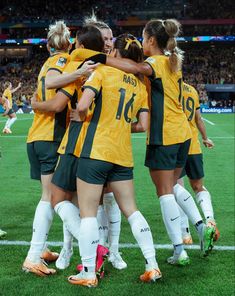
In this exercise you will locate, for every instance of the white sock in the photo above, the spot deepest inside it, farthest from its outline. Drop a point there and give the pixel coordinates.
(12, 120)
(184, 223)
(143, 236)
(41, 225)
(88, 242)
(204, 200)
(102, 224)
(7, 123)
(68, 238)
(187, 203)
(69, 214)
(114, 218)
(171, 218)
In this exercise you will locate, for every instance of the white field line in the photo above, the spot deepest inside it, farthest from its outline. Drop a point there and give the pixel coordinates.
(18, 119)
(18, 136)
(124, 246)
(208, 121)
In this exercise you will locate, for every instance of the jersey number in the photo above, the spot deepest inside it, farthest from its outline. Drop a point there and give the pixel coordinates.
(128, 105)
(180, 89)
(43, 88)
(189, 106)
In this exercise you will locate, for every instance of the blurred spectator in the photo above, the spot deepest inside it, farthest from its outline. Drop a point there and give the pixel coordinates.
(213, 103)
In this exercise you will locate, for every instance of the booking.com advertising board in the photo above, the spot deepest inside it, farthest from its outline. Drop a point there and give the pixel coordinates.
(218, 88)
(205, 109)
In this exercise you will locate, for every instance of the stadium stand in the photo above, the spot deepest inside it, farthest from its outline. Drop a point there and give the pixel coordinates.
(205, 62)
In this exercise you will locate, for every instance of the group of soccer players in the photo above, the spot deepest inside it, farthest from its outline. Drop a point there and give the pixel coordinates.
(79, 147)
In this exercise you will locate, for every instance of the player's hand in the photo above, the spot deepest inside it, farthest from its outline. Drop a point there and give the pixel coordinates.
(87, 68)
(74, 116)
(19, 84)
(208, 143)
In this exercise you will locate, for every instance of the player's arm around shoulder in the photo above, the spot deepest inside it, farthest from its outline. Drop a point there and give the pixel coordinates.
(56, 104)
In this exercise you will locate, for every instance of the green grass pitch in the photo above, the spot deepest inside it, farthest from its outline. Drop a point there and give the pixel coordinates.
(209, 276)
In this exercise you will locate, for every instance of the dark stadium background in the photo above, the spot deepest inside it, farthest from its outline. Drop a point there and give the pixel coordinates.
(207, 39)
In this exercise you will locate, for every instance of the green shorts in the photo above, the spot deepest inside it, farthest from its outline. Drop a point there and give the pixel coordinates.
(167, 157)
(194, 167)
(43, 157)
(11, 111)
(99, 172)
(65, 172)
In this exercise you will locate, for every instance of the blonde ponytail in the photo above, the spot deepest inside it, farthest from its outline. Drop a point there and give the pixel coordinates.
(59, 36)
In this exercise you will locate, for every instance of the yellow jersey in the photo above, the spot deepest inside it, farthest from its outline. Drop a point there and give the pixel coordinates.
(76, 131)
(49, 126)
(168, 123)
(73, 92)
(190, 102)
(8, 95)
(119, 97)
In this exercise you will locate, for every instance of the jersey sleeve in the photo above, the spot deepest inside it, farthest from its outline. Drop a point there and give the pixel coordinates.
(59, 64)
(69, 89)
(94, 82)
(143, 105)
(151, 61)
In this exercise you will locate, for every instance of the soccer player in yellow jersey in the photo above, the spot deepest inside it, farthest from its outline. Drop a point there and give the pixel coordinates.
(111, 225)
(169, 132)
(7, 98)
(109, 214)
(194, 164)
(64, 178)
(106, 156)
(43, 141)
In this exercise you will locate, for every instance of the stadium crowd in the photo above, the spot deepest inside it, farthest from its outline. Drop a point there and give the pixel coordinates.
(138, 11)
(13, 11)
(192, 30)
(201, 66)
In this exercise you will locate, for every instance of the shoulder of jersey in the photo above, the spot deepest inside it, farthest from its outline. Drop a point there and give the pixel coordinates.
(71, 66)
(61, 60)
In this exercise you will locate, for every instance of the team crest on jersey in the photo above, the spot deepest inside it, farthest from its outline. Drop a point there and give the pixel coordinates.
(61, 62)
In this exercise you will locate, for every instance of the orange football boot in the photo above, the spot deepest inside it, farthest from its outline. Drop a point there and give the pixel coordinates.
(151, 275)
(40, 268)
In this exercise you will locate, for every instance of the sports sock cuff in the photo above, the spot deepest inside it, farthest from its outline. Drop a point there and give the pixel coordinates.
(166, 198)
(60, 204)
(133, 216)
(177, 189)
